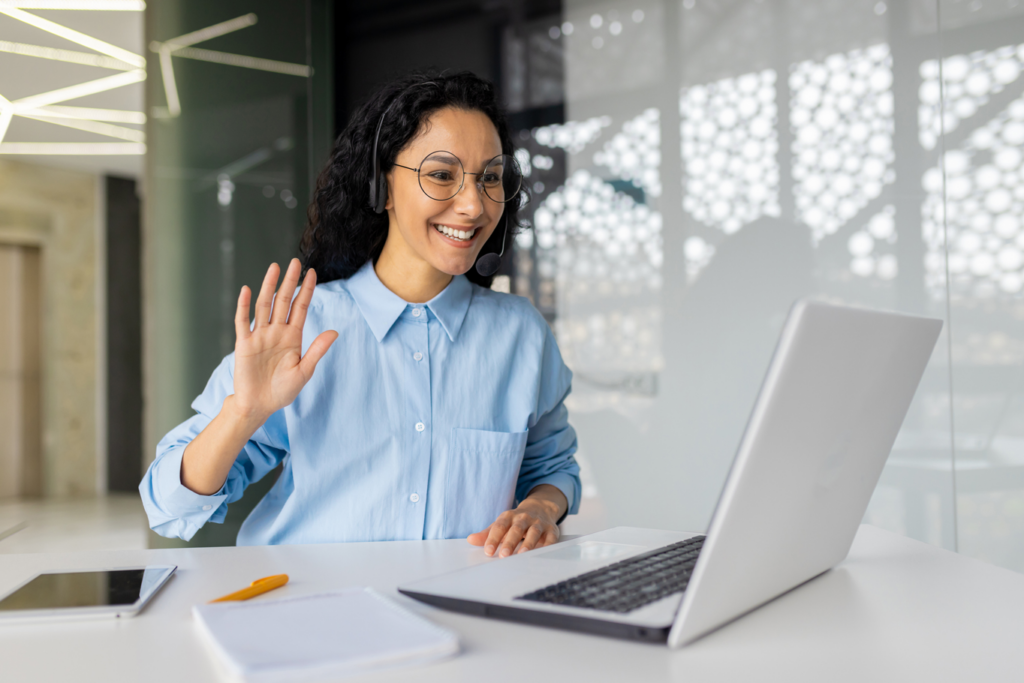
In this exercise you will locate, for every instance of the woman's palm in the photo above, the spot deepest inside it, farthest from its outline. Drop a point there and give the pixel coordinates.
(270, 370)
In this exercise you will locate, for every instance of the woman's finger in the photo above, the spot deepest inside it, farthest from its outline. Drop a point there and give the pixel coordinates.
(315, 352)
(496, 533)
(479, 537)
(533, 535)
(266, 298)
(514, 534)
(283, 300)
(242, 314)
(301, 304)
(550, 536)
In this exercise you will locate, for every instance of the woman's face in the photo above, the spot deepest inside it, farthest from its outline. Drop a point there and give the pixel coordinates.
(421, 222)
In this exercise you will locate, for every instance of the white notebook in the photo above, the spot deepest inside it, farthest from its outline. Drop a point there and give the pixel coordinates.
(313, 637)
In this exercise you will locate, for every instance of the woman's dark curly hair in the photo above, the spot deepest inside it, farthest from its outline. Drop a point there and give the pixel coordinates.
(343, 232)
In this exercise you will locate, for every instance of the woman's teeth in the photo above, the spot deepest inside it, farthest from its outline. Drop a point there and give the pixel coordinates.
(463, 235)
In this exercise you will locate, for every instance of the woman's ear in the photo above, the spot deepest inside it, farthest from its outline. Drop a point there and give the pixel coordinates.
(388, 180)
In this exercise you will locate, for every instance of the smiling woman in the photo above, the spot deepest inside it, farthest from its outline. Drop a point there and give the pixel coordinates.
(438, 410)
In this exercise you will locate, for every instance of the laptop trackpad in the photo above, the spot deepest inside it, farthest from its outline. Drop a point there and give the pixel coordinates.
(592, 550)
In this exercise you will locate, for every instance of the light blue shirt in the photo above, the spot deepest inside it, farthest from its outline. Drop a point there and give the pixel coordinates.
(422, 421)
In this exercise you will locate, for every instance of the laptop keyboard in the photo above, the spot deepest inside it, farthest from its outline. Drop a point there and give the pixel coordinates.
(629, 584)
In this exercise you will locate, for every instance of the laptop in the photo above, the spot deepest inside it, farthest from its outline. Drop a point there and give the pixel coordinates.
(837, 389)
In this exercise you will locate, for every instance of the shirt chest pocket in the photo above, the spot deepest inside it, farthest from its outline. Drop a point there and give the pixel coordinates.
(483, 468)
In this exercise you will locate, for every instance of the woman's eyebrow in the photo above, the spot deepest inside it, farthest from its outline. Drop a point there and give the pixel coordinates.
(442, 156)
(483, 164)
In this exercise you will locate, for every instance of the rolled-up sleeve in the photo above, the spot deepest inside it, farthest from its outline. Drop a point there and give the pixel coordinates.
(551, 441)
(174, 510)
(549, 458)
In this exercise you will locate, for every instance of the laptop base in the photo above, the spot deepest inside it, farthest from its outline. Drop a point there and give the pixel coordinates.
(565, 622)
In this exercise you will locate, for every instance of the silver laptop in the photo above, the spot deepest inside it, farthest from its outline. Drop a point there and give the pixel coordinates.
(836, 392)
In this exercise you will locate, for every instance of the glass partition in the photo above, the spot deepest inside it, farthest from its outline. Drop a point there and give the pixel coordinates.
(240, 120)
(722, 158)
(975, 187)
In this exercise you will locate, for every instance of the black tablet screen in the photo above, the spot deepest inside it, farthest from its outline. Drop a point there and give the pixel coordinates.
(77, 589)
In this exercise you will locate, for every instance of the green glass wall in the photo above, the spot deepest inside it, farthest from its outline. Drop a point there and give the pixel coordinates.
(240, 119)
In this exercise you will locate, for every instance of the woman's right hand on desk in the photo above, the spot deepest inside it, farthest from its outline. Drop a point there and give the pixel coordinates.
(270, 371)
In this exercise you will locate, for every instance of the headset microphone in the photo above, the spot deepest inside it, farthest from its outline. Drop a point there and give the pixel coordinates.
(488, 264)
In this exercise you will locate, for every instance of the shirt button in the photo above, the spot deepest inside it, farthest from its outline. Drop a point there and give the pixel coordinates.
(416, 312)
(207, 507)
(415, 497)
(417, 356)
(420, 426)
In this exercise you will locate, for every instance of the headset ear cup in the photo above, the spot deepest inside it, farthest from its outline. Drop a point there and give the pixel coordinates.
(382, 193)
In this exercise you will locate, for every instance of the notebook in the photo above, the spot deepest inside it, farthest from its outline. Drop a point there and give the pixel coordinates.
(316, 637)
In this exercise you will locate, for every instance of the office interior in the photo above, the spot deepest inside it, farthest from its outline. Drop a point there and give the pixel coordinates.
(694, 167)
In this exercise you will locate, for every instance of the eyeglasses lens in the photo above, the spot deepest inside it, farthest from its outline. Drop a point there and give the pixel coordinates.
(501, 179)
(441, 176)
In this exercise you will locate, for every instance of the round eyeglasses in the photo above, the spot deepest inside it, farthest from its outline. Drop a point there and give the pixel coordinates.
(441, 176)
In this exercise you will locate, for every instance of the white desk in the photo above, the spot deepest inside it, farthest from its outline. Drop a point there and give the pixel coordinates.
(895, 610)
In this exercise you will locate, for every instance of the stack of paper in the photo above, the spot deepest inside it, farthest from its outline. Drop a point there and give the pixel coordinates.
(313, 637)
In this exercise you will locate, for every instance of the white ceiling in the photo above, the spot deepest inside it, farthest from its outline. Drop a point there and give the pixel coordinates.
(23, 76)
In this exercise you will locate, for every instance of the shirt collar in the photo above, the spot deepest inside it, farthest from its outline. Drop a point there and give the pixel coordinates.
(451, 304)
(381, 307)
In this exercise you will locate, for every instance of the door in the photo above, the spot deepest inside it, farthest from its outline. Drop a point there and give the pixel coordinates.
(20, 376)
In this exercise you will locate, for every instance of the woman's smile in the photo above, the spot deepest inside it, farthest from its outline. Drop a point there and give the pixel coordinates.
(458, 236)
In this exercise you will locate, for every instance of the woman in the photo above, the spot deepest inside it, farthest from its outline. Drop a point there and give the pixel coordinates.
(438, 408)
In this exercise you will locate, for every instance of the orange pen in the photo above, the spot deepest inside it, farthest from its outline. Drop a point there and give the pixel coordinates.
(257, 587)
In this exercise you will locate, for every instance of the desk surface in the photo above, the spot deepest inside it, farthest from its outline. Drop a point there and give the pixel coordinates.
(895, 610)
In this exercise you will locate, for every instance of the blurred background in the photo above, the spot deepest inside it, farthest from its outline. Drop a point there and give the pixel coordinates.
(695, 166)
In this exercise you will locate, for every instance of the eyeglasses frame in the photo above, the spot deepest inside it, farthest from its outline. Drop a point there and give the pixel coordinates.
(464, 174)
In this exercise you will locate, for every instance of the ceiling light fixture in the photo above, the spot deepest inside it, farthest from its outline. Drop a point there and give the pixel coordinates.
(74, 148)
(170, 85)
(242, 61)
(97, 127)
(6, 113)
(168, 47)
(109, 5)
(79, 90)
(112, 115)
(86, 58)
(41, 107)
(181, 47)
(38, 107)
(224, 27)
(74, 36)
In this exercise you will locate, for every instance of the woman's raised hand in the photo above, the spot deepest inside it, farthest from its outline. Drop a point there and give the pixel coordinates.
(270, 369)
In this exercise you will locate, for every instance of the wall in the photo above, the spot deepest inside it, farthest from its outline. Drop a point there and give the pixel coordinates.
(56, 210)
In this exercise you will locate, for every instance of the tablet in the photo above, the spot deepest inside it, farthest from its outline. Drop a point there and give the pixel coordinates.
(118, 592)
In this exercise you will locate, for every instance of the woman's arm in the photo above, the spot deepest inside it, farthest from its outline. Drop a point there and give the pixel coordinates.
(270, 370)
(204, 465)
(174, 510)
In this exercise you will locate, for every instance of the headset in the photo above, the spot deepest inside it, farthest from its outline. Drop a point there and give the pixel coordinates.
(378, 181)
(487, 264)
